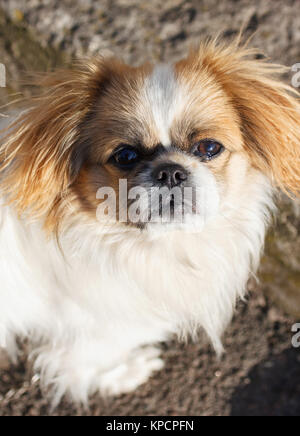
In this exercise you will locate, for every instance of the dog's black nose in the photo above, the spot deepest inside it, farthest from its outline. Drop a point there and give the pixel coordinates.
(169, 175)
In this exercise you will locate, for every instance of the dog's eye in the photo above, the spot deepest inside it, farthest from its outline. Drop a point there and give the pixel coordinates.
(207, 149)
(126, 157)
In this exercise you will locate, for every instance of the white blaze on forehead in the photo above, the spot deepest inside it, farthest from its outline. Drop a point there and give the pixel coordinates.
(162, 99)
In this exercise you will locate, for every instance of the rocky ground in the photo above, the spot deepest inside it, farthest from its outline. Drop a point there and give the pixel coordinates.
(260, 373)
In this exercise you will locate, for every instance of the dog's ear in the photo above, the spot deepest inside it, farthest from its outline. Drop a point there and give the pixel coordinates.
(268, 109)
(40, 155)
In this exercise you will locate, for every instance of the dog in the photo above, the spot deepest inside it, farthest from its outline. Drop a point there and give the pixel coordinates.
(89, 274)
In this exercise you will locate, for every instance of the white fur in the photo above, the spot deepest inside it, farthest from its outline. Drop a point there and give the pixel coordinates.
(95, 312)
(164, 98)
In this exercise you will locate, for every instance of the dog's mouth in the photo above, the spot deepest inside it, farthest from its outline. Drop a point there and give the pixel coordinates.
(169, 209)
(140, 206)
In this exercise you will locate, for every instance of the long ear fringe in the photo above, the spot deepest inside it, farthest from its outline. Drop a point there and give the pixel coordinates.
(36, 153)
(35, 156)
(269, 109)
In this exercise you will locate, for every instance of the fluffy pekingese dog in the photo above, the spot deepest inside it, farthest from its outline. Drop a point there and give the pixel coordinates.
(86, 273)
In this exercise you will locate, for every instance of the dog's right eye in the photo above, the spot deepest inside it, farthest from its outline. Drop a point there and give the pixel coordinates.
(126, 157)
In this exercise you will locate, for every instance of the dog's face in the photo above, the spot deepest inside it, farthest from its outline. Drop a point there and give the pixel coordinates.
(202, 128)
(163, 128)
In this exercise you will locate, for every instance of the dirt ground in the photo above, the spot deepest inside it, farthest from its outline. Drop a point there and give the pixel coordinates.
(260, 372)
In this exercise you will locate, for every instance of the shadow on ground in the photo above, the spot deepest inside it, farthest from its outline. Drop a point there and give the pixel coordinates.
(273, 388)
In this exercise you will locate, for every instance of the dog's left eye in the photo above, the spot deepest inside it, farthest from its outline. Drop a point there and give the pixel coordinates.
(207, 149)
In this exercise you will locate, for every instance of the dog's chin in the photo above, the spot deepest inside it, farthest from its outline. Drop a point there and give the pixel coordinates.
(188, 223)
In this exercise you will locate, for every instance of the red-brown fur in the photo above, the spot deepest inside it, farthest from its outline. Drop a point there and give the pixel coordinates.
(49, 157)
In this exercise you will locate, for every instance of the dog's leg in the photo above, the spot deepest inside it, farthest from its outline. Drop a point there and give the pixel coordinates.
(132, 372)
(84, 369)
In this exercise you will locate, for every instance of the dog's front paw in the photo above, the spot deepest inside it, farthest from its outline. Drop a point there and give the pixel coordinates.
(133, 372)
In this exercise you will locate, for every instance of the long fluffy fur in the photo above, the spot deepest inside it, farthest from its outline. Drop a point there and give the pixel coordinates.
(89, 307)
(121, 291)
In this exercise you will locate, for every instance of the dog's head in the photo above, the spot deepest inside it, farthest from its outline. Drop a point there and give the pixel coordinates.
(154, 144)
